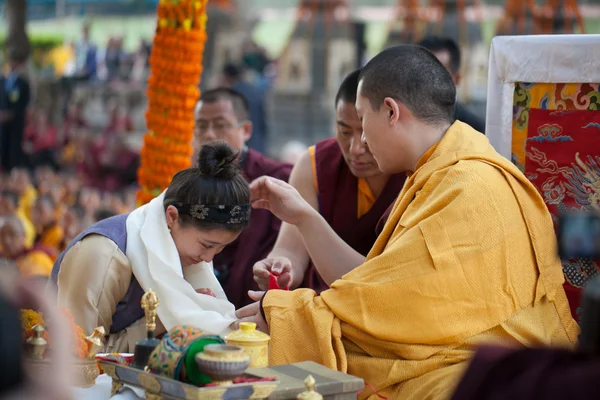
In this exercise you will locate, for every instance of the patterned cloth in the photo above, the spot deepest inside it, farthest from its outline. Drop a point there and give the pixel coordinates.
(168, 358)
(556, 137)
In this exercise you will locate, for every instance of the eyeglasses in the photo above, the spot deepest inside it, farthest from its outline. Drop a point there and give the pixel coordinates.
(219, 128)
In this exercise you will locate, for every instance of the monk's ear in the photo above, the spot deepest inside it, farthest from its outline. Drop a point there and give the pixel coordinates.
(393, 109)
(247, 127)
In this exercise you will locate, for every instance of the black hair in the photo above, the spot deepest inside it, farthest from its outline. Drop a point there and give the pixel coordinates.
(216, 180)
(12, 196)
(232, 71)
(241, 108)
(436, 44)
(103, 213)
(414, 76)
(78, 210)
(347, 90)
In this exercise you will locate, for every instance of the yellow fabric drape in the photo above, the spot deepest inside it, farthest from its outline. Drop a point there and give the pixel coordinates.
(468, 255)
(30, 231)
(52, 237)
(27, 200)
(35, 263)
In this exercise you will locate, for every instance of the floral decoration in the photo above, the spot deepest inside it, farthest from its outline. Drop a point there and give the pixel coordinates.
(175, 69)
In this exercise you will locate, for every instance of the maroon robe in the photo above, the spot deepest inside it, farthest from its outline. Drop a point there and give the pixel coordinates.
(233, 266)
(498, 373)
(338, 204)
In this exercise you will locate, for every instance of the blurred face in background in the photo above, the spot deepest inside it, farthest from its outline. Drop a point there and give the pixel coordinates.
(71, 224)
(19, 181)
(43, 213)
(8, 205)
(12, 238)
(218, 121)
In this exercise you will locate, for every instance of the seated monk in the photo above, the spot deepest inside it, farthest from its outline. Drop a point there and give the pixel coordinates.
(340, 179)
(468, 254)
(30, 261)
(20, 183)
(223, 114)
(9, 205)
(50, 233)
(166, 245)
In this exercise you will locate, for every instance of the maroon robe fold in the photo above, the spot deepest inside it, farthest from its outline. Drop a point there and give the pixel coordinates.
(499, 373)
(233, 266)
(338, 204)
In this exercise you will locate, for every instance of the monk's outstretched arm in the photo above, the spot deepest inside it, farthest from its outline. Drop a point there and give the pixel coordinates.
(312, 237)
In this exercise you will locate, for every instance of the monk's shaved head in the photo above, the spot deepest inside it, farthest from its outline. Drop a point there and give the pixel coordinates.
(238, 101)
(413, 76)
(348, 88)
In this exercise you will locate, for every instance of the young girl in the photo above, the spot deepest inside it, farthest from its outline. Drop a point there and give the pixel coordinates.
(166, 245)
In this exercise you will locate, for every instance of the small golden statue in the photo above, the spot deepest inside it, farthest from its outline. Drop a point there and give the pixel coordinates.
(96, 341)
(150, 304)
(36, 344)
(143, 348)
(310, 393)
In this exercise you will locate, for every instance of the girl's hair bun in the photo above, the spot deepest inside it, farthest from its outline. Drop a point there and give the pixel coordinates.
(218, 160)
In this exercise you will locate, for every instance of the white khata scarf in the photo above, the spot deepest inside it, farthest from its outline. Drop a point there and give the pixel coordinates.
(156, 265)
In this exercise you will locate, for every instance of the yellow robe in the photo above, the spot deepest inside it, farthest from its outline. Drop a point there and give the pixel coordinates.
(35, 263)
(468, 255)
(30, 232)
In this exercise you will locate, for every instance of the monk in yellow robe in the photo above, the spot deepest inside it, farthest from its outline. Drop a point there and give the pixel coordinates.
(50, 234)
(30, 261)
(20, 183)
(9, 205)
(468, 254)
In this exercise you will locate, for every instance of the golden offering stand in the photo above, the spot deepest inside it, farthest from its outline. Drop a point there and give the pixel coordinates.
(144, 347)
(85, 369)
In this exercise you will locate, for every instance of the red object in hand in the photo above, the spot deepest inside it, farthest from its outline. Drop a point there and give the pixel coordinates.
(273, 285)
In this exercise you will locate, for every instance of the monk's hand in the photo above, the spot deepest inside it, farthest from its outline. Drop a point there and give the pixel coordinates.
(282, 199)
(281, 267)
(205, 291)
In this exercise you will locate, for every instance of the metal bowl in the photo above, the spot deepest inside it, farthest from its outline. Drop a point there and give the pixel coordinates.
(222, 363)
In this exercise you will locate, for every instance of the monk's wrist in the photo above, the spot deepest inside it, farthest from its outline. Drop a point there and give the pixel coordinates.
(308, 221)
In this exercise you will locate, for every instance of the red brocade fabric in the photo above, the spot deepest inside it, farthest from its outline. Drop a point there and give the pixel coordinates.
(563, 162)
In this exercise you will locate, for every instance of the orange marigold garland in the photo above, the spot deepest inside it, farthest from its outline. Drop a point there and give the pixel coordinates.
(175, 68)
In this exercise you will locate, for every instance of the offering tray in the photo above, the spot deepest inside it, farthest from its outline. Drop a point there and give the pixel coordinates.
(159, 387)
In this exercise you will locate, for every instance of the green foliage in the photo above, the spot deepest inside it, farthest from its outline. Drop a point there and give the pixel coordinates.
(38, 42)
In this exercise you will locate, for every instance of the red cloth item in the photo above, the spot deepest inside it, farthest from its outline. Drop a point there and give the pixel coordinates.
(562, 162)
(273, 285)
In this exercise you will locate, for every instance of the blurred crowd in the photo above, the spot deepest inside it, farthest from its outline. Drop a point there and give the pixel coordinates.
(84, 61)
(42, 212)
(62, 170)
